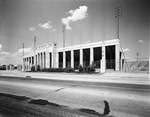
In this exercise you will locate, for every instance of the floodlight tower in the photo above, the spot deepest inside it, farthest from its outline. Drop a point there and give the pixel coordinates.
(64, 29)
(64, 57)
(35, 53)
(137, 54)
(118, 14)
(23, 58)
(118, 11)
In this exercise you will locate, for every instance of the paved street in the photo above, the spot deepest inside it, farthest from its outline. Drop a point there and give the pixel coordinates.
(127, 99)
(113, 77)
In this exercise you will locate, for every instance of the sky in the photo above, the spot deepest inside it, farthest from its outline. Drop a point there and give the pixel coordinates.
(85, 21)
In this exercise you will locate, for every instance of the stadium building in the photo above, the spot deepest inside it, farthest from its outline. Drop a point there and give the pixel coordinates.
(104, 54)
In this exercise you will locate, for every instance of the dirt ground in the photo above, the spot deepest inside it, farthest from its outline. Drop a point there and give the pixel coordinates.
(21, 106)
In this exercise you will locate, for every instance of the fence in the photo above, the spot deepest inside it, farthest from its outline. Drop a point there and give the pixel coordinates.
(137, 66)
(124, 65)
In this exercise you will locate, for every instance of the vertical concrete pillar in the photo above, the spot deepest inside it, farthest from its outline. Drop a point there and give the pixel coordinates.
(53, 58)
(41, 59)
(47, 59)
(34, 59)
(81, 56)
(56, 60)
(37, 59)
(121, 64)
(149, 63)
(52, 63)
(23, 63)
(28, 63)
(35, 63)
(31, 62)
(44, 60)
(91, 55)
(64, 59)
(103, 61)
(117, 54)
(72, 59)
(25, 66)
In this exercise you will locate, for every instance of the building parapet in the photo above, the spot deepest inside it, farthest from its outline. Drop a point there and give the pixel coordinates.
(88, 45)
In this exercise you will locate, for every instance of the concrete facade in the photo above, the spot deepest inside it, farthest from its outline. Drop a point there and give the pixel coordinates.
(49, 56)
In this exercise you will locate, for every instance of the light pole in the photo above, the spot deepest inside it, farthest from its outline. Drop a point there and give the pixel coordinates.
(23, 67)
(35, 53)
(118, 14)
(137, 54)
(118, 11)
(64, 29)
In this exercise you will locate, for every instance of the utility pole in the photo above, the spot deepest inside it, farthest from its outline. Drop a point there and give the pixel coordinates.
(64, 29)
(35, 53)
(137, 54)
(118, 14)
(64, 57)
(23, 50)
(118, 11)
(23, 67)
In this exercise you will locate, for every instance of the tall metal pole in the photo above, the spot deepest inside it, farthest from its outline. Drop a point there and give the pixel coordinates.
(118, 11)
(23, 49)
(35, 53)
(64, 29)
(137, 54)
(23, 67)
(64, 63)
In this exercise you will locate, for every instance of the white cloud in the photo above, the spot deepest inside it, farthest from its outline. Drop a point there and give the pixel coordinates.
(126, 50)
(5, 53)
(14, 58)
(141, 41)
(27, 51)
(78, 14)
(32, 29)
(45, 25)
(0, 47)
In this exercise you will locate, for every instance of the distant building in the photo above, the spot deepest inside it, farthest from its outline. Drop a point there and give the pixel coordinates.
(105, 55)
(14, 67)
(3, 67)
(19, 67)
(10, 67)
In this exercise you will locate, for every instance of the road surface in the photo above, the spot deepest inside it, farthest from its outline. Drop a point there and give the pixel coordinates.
(125, 100)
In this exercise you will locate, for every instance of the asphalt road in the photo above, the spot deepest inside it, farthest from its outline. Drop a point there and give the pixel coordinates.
(125, 100)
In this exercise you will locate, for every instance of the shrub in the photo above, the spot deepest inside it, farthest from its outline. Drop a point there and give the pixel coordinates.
(52, 70)
(91, 68)
(80, 68)
(38, 68)
(33, 69)
(3, 67)
(69, 70)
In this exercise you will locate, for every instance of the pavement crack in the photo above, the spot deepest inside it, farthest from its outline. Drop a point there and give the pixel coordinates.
(60, 89)
(65, 88)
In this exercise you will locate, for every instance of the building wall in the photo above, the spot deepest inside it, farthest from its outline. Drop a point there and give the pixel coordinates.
(86, 55)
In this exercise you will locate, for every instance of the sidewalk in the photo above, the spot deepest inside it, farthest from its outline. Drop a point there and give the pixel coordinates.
(112, 77)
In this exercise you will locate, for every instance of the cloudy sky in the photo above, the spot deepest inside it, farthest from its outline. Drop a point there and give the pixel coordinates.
(85, 20)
